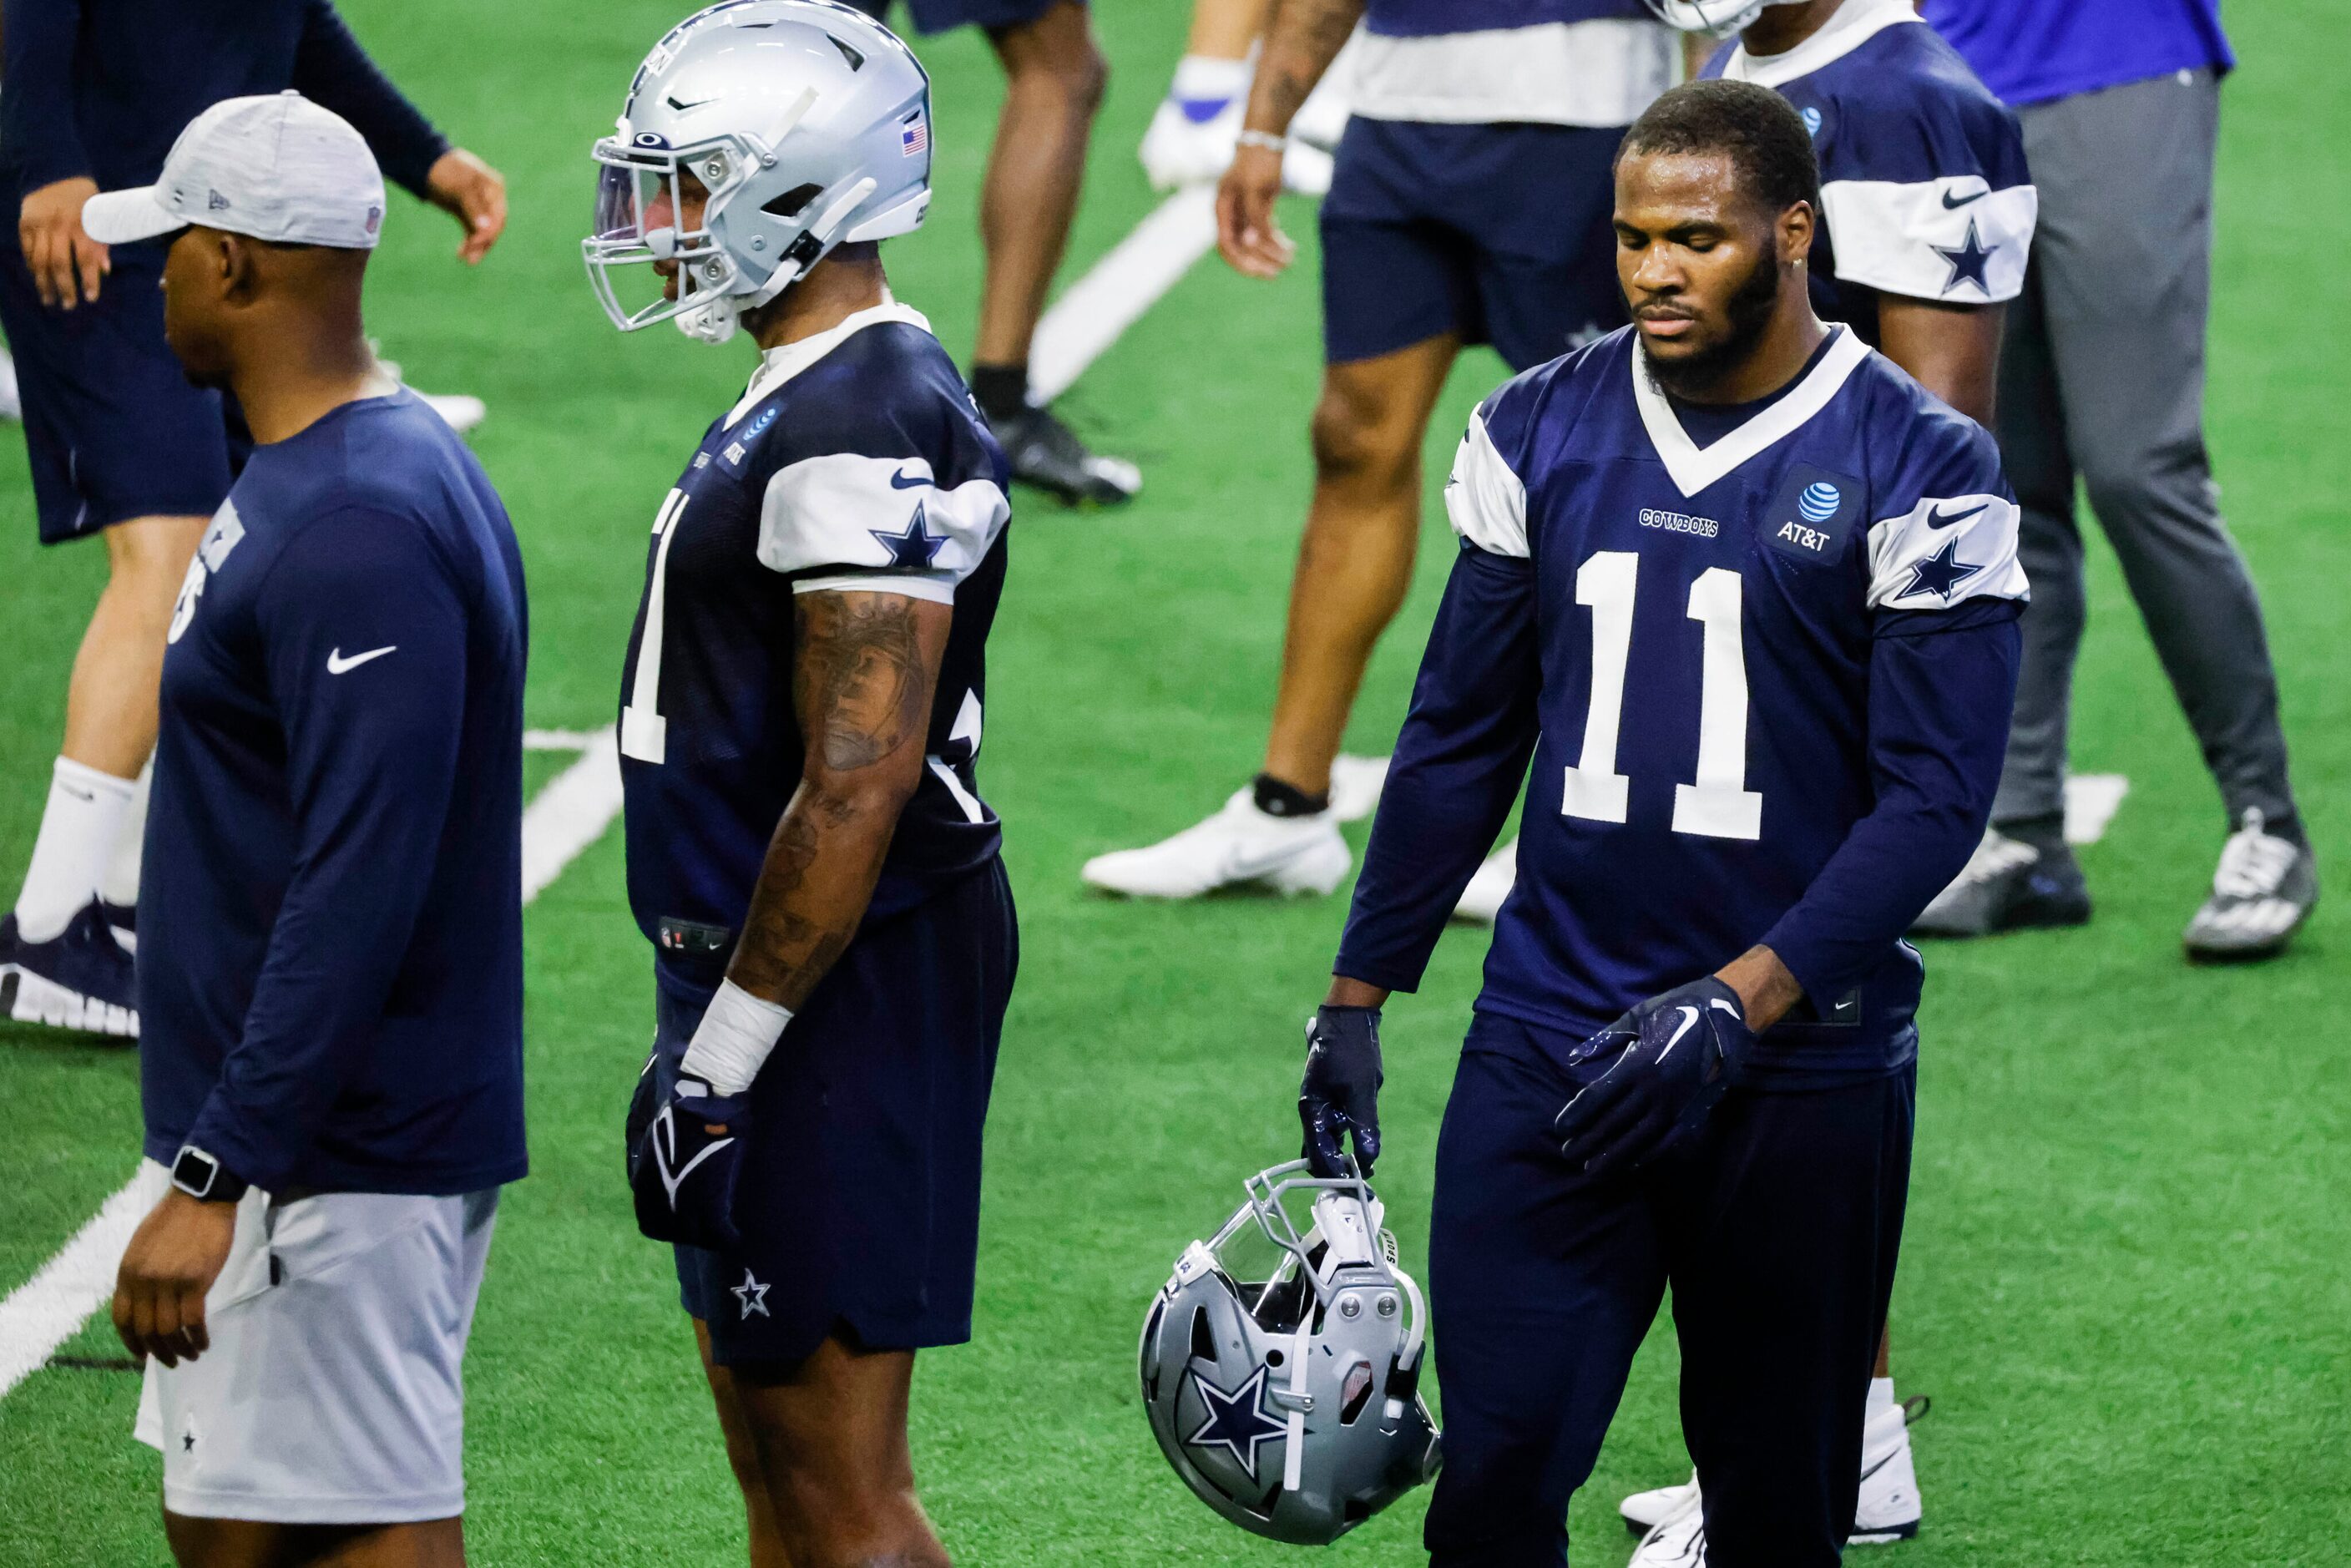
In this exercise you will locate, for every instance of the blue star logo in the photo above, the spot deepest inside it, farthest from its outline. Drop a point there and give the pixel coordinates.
(1236, 1421)
(752, 1294)
(1968, 261)
(1939, 573)
(914, 546)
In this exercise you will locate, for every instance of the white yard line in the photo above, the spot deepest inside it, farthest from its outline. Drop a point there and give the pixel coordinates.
(49, 1309)
(2091, 802)
(1092, 312)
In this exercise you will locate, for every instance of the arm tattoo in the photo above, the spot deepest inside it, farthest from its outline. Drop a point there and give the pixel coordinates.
(1302, 38)
(864, 667)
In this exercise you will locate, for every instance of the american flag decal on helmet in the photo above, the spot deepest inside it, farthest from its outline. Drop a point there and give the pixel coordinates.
(914, 135)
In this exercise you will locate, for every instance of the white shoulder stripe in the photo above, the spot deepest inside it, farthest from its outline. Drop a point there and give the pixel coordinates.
(1954, 239)
(842, 515)
(1944, 552)
(1486, 501)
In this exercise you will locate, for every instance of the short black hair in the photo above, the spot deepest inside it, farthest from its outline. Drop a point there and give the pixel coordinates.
(1765, 139)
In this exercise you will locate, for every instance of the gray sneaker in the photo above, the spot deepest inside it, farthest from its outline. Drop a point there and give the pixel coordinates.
(2263, 890)
(2009, 885)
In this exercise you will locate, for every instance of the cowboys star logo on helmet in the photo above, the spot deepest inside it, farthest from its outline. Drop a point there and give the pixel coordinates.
(1285, 1391)
(783, 122)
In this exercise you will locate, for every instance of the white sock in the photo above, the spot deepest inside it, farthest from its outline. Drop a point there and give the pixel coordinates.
(1201, 77)
(78, 830)
(121, 883)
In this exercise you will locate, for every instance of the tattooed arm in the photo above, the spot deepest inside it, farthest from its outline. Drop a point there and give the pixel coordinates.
(1302, 39)
(863, 674)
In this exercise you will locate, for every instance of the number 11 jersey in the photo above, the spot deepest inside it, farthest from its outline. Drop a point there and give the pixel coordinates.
(1690, 640)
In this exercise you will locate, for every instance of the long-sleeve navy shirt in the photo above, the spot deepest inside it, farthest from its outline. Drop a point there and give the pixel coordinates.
(103, 88)
(1765, 685)
(330, 909)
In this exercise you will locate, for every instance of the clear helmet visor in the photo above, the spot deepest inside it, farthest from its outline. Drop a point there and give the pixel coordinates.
(649, 255)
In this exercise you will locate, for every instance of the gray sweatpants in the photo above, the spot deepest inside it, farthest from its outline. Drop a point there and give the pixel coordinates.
(2102, 375)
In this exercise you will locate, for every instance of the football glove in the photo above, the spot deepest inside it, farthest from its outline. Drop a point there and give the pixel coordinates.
(1341, 1091)
(685, 1157)
(1675, 1055)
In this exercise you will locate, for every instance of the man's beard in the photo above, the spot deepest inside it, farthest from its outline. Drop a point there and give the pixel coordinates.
(1749, 310)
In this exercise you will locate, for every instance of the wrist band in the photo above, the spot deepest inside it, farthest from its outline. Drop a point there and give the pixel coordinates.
(732, 1042)
(1265, 139)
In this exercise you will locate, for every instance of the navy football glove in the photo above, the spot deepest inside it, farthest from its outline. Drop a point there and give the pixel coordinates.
(1341, 1091)
(685, 1157)
(1675, 1056)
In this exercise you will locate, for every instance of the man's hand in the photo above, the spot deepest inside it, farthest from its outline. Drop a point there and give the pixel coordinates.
(1341, 1091)
(66, 262)
(1247, 233)
(174, 1257)
(475, 193)
(685, 1157)
(1674, 1054)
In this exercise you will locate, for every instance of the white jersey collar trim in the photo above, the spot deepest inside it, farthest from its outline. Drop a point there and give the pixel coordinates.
(1693, 468)
(1856, 23)
(778, 365)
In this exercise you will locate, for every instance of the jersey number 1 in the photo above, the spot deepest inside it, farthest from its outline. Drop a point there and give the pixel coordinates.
(1718, 805)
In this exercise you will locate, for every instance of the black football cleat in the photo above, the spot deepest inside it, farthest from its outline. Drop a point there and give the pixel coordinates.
(2009, 885)
(78, 979)
(1047, 454)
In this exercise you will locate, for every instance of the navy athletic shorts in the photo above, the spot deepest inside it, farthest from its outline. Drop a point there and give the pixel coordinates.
(940, 16)
(1500, 233)
(112, 427)
(864, 1173)
(1776, 1226)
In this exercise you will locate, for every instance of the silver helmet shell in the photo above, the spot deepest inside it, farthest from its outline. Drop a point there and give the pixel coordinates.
(1721, 17)
(805, 122)
(1287, 1398)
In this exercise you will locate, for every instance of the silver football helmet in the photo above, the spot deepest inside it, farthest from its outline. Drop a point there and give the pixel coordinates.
(797, 123)
(1283, 1386)
(1721, 17)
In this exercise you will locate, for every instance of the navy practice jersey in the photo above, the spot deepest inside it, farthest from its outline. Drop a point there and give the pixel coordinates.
(1922, 169)
(1765, 683)
(855, 461)
(330, 898)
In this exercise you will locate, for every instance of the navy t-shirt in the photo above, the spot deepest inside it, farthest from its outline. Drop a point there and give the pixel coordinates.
(330, 905)
(2029, 51)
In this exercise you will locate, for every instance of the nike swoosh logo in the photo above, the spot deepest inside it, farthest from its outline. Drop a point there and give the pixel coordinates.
(1938, 518)
(1690, 1018)
(899, 481)
(1951, 206)
(337, 665)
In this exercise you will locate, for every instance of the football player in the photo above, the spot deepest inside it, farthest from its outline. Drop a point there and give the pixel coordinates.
(800, 715)
(1746, 595)
(1468, 204)
(1926, 217)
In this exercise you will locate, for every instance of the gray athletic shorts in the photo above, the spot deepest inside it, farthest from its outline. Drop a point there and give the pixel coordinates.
(331, 1391)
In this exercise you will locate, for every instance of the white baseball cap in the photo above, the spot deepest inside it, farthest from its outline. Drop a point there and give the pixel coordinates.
(277, 167)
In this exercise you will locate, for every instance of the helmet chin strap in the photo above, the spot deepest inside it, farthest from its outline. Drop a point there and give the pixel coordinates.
(712, 321)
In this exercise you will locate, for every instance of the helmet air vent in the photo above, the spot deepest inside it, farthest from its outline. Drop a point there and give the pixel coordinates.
(856, 61)
(1204, 1338)
(789, 203)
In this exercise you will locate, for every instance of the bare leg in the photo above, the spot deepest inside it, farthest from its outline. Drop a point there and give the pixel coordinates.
(1054, 78)
(1355, 561)
(248, 1543)
(829, 1437)
(743, 1455)
(110, 703)
(1226, 29)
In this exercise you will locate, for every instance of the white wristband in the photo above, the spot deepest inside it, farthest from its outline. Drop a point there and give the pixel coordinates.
(732, 1042)
(1265, 139)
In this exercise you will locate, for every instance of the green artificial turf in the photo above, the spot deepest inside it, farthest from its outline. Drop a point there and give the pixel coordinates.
(2124, 1283)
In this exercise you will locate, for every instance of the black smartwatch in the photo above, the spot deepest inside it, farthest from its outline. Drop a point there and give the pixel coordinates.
(202, 1177)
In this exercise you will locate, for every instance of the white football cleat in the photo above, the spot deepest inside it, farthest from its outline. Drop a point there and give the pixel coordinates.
(1482, 900)
(1239, 845)
(459, 410)
(1888, 1509)
(1356, 786)
(12, 402)
(1676, 1540)
(1645, 1511)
